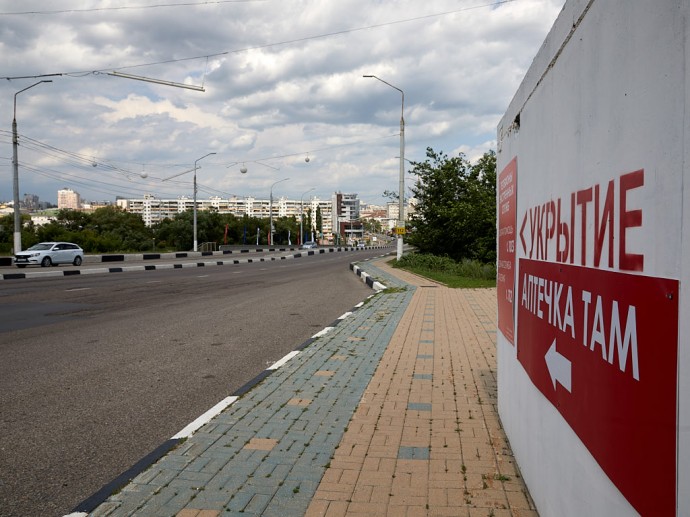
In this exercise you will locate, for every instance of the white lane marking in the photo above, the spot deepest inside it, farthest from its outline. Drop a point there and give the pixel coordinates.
(346, 315)
(322, 332)
(360, 304)
(282, 361)
(154, 282)
(205, 418)
(203, 276)
(78, 289)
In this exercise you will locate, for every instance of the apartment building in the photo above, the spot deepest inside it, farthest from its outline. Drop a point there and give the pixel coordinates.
(154, 209)
(67, 198)
(393, 210)
(348, 224)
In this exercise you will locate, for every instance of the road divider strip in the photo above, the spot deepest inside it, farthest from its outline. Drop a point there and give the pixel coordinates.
(197, 424)
(155, 267)
(284, 360)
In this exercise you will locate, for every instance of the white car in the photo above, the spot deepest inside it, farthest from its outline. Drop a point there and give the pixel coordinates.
(309, 245)
(47, 254)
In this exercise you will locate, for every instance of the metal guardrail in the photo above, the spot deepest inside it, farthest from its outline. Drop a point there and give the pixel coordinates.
(208, 246)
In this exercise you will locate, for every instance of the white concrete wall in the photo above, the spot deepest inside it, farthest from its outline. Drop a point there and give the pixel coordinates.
(607, 94)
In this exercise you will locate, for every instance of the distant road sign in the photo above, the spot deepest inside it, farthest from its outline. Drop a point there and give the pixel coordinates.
(400, 230)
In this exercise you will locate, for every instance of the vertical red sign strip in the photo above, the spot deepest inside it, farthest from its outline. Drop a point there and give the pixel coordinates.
(505, 281)
(602, 347)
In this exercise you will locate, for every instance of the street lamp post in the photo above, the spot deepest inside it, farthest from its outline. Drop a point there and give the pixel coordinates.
(15, 166)
(194, 207)
(301, 215)
(401, 187)
(270, 212)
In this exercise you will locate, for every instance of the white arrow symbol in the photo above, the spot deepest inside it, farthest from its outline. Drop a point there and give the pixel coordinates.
(560, 368)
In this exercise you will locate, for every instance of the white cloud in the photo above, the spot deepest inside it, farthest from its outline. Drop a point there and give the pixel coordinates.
(298, 93)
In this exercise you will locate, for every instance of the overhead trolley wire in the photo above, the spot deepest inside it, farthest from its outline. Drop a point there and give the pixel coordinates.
(129, 7)
(264, 46)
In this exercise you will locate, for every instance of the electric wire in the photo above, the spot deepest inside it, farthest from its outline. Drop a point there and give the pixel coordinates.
(261, 47)
(129, 7)
(116, 180)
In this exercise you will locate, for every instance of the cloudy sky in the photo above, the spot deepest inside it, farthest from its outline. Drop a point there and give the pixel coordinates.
(282, 83)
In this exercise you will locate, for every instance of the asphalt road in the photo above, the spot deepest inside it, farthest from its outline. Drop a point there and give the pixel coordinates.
(96, 371)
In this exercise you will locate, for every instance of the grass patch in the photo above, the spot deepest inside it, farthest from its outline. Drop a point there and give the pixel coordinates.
(466, 274)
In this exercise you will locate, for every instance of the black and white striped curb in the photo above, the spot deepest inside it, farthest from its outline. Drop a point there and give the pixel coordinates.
(124, 257)
(158, 267)
(367, 278)
(91, 503)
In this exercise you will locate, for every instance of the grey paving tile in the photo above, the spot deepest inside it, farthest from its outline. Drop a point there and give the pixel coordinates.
(419, 406)
(413, 453)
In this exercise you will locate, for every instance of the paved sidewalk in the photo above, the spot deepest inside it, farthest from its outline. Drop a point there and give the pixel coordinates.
(391, 412)
(426, 438)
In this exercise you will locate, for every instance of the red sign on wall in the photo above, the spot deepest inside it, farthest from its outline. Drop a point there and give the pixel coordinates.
(602, 347)
(505, 280)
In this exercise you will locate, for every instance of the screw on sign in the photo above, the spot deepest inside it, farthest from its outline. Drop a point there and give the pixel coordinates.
(602, 347)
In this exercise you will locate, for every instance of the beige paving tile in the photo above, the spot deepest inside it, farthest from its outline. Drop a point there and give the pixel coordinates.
(317, 508)
(328, 495)
(261, 444)
(299, 402)
(449, 336)
(189, 512)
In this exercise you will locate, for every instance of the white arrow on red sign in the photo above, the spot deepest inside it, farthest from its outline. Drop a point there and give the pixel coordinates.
(560, 368)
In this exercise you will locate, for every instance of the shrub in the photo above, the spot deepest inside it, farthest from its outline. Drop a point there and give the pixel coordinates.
(442, 264)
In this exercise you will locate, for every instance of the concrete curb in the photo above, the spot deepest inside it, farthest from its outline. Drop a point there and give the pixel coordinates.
(367, 278)
(154, 267)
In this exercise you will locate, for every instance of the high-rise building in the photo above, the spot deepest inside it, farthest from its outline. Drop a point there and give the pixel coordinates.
(31, 202)
(67, 198)
(346, 216)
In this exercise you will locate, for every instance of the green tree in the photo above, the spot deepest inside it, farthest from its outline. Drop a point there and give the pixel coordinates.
(455, 211)
(285, 226)
(119, 230)
(6, 233)
(372, 225)
(107, 229)
(210, 227)
(72, 220)
(248, 229)
(176, 233)
(319, 222)
(393, 196)
(484, 174)
(308, 225)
